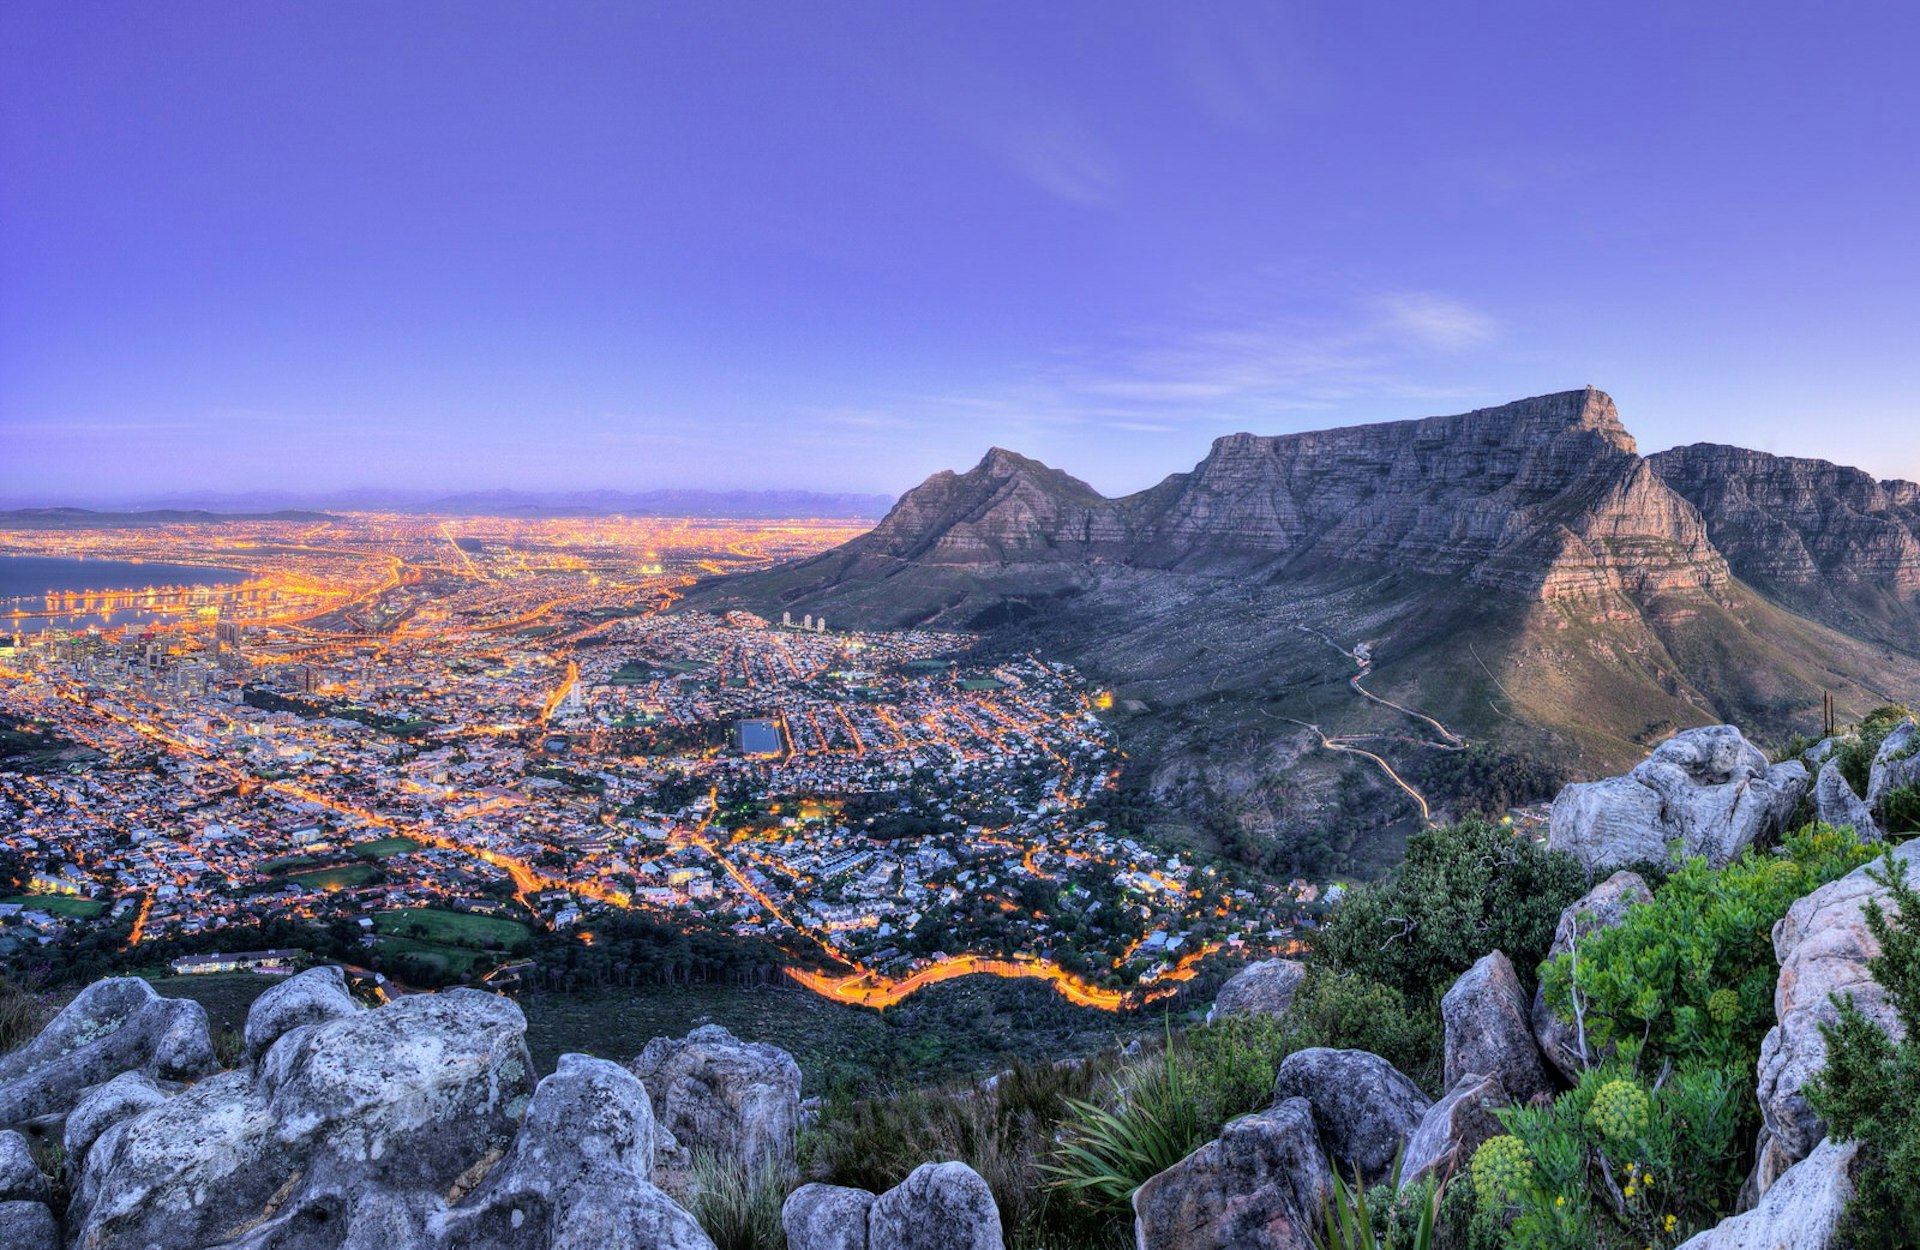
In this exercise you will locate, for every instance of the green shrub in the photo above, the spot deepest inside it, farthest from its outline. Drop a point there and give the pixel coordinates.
(1900, 809)
(1349, 1013)
(1870, 1089)
(1855, 752)
(23, 1014)
(1689, 977)
(1383, 1218)
(1615, 1163)
(1465, 889)
(1154, 1118)
(737, 1205)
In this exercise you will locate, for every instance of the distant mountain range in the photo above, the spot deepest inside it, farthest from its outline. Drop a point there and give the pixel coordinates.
(1521, 571)
(87, 518)
(253, 505)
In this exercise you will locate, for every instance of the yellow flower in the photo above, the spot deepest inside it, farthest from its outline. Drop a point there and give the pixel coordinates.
(1560, 1201)
(1671, 1221)
(1629, 1190)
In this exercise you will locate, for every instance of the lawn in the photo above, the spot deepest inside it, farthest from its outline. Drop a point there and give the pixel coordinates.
(455, 961)
(336, 878)
(60, 905)
(226, 995)
(982, 683)
(383, 848)
(631, 674)
(287, 863)
(452, 928)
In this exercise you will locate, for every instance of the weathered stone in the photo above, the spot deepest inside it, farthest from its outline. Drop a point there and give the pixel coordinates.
(20, 1177)
(1800, 1212)
(1363, 1106)
(349, 1132)
(1602, 907)
(940, 1206)
(103, 1106)
(314, 996)
(1835, 803)
(826, 1217)
(1453, 1129)
(1260, 1186)
(1488, 1031)
(713, 1091)
(578, 1176)
(1823, 946)
(1266, 988)
(113, 1026)
(28, 1226)
(1708, 790)
(1895, 766)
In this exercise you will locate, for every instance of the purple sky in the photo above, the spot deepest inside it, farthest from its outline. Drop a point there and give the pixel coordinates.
(838, 246)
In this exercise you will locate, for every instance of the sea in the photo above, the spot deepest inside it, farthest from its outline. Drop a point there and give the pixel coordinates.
(25, 582)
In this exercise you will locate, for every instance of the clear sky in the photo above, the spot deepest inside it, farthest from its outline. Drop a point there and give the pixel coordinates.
(838, 246)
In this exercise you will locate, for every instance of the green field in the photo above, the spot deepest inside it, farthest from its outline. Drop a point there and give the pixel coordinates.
(382, 848)
(452, 928)
(287, 863)
(60, 905)
(982, 683)
(455, 961)
(225, 995)
(336, 878)
(631, 674)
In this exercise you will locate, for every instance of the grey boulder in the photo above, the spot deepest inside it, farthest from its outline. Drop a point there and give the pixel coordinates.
(1364, 1107)
(826, 1217)
(1266, 988)
(1823, 945)
(1453, 1129)
(20, 1177)
(1800, 1212)
(125, 1096)
(1261, 1185)
(28, 1226)
(940, 1206)
(1707, 791)
(1835, 803)
(712, 1091)
(1602, 907)
(1895, 766)
(113, 1026)
(1488, 1031)
(313, 997)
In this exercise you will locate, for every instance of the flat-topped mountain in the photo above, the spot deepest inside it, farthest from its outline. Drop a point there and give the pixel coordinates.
(1521, 572)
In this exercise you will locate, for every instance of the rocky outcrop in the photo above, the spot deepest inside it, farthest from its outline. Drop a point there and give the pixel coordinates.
(1895, 766)
(713, 1091)
(28, 1226)
(1835, 802)
(1266, 988)
(1707, 791)
(940, 1206)
(826, 1217)
(113, 1026)
(20, 1177)
(1453, 1129)
(104, 1106)
(1364, 1108)
(1260, 1186)
(1801, 1212)
(1488, 1031)
(1823, 945)
(313, 997)
(1602, 907)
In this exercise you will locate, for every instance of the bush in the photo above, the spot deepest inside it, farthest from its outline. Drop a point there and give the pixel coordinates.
(1855, 752)
(1870, 1089)
(1689, 977)
(1155, 1117)
(737, 1205)
(1615, 1162)
(1900, 810)
(1348, 1013)
(1465, 889)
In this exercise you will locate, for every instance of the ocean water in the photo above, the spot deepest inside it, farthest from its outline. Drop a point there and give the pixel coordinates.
(25, 582)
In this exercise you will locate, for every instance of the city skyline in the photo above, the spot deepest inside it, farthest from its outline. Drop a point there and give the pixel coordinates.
(319, 249)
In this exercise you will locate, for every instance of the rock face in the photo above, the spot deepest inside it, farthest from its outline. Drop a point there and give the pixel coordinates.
(1266, 987)
(312, 997)
(1895, 766)
(20, 1177)
(1364, 1107)
(1708, 789)
(1453, 1129)
(826, 1217)
(28, 1226)
(1602, 907)
(1823, 946)
(113, 1026)
(712, 1091)
(940, 1206)
(1801, 1212)
(1835, 803)
(1259, 1186)
(1827, 540)
(1488, 1031)
(124, 1097)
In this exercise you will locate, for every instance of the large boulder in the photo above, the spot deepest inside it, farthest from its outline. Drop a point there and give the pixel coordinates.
(1364, 1107)
(1602, 907)
(1488, 1031)
(1895, 766)
(1453, 1129)
(1801, 1212)
(113, 1026)
(579, 1175)
(1823, 946)
(1835, 803)
(940, 1206)
(28, 1226)
(313, 997)
(104, 1106)
(712, 1091)
(1260, 1186)
(826, 1217)
(1266, 988)
(349, 1132)
(20, 1177)
(1706, 791)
